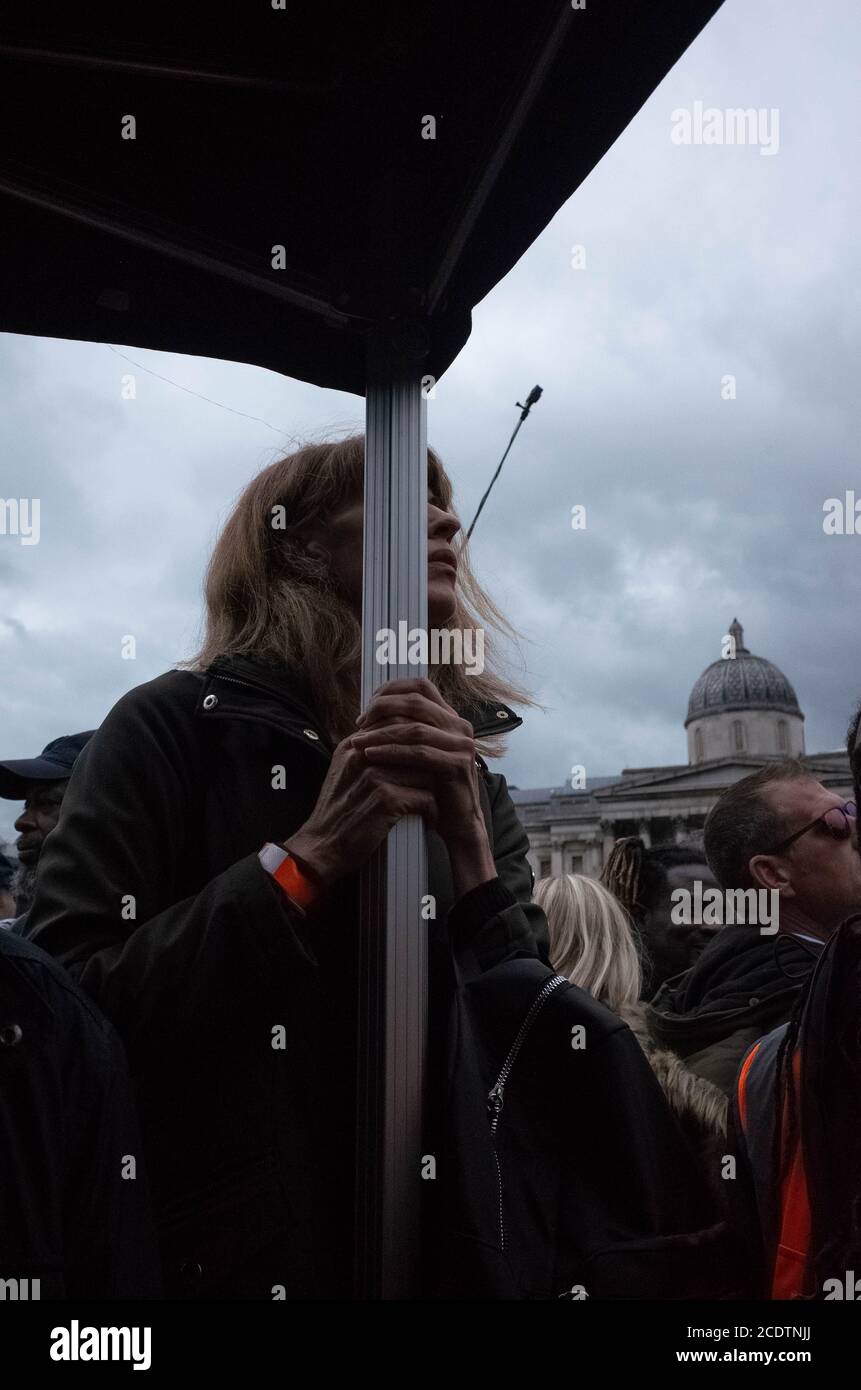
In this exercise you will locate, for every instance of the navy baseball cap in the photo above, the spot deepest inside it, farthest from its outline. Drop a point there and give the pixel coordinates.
(54, 764)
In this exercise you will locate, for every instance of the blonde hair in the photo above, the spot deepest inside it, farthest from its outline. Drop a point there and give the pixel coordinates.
(592, 940)
(267, 596)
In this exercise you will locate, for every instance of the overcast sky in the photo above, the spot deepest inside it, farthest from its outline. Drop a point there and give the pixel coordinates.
(701, 261)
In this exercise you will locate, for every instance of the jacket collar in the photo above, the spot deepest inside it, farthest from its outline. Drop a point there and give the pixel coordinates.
(286, 683)
(291, 687)
(491, 719)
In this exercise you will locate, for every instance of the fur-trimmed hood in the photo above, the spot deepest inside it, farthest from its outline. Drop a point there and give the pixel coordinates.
(698, 1103)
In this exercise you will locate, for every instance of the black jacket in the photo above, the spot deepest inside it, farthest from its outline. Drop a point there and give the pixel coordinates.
(572, 1178)
(150, 891)
(743, 985)
(829, 1039)
(72, 1216)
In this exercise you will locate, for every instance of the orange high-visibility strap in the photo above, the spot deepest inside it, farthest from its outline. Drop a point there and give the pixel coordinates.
(742, 1086)
(793, 1244)
(793, 1247)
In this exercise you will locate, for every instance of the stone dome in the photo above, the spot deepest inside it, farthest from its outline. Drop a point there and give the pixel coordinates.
(745, 682)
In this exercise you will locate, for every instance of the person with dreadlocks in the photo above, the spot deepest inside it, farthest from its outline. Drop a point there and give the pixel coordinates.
(782, 831)
(643, 878)
(795, 1125)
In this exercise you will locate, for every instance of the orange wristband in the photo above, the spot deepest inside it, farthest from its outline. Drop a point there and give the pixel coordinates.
(295, 884)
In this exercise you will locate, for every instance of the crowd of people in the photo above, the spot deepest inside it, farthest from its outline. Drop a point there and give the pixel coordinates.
(623, 1102)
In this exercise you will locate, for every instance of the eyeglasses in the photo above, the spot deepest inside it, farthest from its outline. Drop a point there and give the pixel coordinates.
(837, 821)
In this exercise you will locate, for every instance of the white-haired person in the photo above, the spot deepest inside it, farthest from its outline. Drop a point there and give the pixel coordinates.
(593, 944)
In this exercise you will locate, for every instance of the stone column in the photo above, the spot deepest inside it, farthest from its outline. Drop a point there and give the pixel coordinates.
(608, 839)
(593, 858)
(644, 832)
(557, 861)
(680, 829)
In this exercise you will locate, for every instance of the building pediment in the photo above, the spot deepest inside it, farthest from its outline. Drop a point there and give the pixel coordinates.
(720, 772)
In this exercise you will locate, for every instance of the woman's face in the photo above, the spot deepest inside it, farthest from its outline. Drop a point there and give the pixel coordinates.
(341, 540)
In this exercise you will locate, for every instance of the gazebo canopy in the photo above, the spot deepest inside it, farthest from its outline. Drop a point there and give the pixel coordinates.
(304, 127)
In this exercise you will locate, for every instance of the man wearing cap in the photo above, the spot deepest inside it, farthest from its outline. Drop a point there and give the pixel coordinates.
(41, 784)
(72, 1224)
(7, 897)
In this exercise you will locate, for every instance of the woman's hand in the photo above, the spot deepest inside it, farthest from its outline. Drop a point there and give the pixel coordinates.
(409, 729)
(412, 755)
(357, 807)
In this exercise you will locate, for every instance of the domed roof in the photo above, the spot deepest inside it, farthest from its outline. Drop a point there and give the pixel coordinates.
(741, 682)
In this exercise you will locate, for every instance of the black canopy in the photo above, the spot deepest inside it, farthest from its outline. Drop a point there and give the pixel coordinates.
(301, 127)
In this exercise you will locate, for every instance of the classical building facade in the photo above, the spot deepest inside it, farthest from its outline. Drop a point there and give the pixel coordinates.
(742, 713)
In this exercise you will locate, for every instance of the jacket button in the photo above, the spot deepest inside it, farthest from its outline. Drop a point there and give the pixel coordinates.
(753, 1002)
(191, 1273)
(311, 733)
(502, 714)
(10, 1035)
(210, 702)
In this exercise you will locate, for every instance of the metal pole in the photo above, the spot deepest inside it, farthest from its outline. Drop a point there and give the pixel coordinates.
(393, 943)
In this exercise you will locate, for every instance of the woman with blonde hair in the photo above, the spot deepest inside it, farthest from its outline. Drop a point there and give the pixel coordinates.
(593, 943)
(591, 939)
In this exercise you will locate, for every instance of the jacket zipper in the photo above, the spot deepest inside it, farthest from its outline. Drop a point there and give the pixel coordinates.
(265, 690)
(495, 1098)
(249, 685)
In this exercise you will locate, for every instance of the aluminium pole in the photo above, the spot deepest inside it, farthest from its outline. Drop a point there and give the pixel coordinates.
(392, 1032)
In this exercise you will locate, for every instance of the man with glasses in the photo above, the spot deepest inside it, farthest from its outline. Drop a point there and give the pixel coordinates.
(796, 1113)
(853, 748)
(781, 830)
